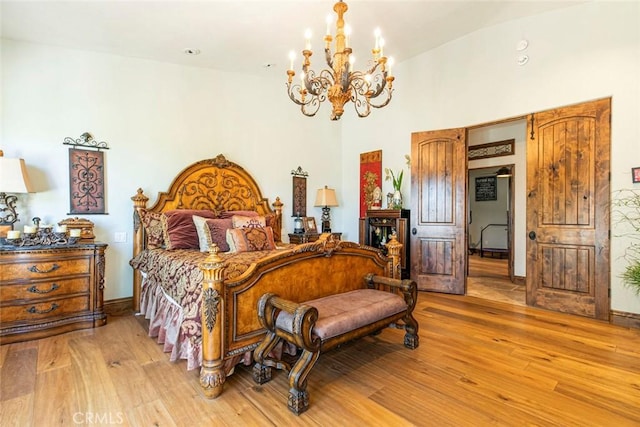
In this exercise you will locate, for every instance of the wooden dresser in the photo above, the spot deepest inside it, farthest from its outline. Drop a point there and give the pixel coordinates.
(48, 290)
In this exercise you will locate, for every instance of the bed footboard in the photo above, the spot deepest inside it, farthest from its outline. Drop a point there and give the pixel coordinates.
(230, 324)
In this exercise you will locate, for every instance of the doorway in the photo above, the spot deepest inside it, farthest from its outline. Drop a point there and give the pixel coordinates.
(489, 235)
(561, 249)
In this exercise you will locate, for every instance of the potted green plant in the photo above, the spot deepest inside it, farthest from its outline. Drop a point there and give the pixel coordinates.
(397, 183)
(627, 214)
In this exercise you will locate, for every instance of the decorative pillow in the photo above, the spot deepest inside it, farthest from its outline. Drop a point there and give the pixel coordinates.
(229, 214)
(240, 221)
(179, 230)
(212, 230)
(250, 239)
(152, 226)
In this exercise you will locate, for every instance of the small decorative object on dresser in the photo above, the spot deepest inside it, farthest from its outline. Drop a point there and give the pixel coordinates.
(48, 290)
(79, 227)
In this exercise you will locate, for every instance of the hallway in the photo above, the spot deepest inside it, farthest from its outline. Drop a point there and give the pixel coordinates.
(488, 278)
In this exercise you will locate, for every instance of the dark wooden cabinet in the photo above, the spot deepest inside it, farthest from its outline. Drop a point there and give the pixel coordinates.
(48, 290)
(379, 224)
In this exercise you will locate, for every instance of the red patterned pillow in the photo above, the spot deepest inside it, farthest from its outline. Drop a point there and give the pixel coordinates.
(152, 226)
(250, 239)
(179, 230)
(212, 230)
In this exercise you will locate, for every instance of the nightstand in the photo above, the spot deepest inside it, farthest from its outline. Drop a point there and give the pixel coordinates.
(297, 238)
(48, 290)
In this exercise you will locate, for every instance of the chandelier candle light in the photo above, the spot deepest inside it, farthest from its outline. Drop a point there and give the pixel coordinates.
(340, 83)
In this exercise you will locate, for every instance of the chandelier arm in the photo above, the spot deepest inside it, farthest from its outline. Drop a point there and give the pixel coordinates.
(380, 85)
(317, 85)
(386, 100)
(328, 57)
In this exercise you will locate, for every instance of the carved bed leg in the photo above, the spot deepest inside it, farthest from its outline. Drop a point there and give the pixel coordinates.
(298, 396)
(212, 373)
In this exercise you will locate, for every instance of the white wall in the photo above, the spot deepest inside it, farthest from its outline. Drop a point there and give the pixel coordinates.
(581, 53)
(157, 119)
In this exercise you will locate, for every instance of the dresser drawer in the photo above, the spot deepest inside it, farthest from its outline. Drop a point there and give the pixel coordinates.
(44, 268)
(46, 309)
(44, 289)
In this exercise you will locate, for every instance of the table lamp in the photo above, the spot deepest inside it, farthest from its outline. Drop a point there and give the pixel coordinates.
(326, 197)
(13, 179)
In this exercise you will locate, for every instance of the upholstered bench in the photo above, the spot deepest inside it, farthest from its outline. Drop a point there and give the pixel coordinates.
(321, 324)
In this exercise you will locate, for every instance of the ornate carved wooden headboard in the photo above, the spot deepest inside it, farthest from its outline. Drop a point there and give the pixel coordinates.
(214, 184)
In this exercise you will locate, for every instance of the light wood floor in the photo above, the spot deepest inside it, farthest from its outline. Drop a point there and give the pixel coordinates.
(488, 278)
(479, 363)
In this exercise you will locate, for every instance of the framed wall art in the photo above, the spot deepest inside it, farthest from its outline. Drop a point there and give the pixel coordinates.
(370, 178)
(635, 175)
(492, 149)
(486, 188)
(299, 191)
(86, 175)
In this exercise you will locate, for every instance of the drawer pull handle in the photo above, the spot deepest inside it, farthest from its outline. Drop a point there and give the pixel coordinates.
(34, 289)
(35, 269)
(34, 310)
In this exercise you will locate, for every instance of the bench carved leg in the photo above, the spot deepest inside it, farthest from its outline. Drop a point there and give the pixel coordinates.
(298, 396)
(262, 367)
(411, 339)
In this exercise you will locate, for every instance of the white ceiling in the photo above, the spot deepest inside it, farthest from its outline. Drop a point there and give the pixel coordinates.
(245, 36)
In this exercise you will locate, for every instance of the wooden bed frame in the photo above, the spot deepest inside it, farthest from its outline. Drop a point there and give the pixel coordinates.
(230, 324)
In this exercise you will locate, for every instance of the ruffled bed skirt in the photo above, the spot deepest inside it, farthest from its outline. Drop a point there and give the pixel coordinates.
(165, 320)
(165, 317)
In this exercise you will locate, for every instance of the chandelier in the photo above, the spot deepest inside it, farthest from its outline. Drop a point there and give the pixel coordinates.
(340, 83)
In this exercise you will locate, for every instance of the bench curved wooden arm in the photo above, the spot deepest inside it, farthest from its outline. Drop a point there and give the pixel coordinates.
(304, 317)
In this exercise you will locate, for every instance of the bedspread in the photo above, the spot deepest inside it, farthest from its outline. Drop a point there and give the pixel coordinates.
(170, 296)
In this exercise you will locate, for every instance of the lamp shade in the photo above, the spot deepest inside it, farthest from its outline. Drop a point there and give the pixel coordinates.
(13, 176)
(326, 197)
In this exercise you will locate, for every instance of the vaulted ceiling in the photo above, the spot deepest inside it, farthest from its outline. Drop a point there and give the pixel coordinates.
(250, 36)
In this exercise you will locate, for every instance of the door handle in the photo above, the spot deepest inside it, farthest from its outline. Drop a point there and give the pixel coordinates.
(414, 231)
(532, 235)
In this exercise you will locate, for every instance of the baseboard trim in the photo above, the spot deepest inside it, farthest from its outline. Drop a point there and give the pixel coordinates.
(519, 280)
(622, 318)
(119, 307)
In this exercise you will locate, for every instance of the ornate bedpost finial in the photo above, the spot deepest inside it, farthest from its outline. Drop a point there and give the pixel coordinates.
(394, 247)
(140, 200)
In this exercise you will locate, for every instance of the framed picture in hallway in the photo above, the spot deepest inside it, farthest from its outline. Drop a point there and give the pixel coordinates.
(635, 175)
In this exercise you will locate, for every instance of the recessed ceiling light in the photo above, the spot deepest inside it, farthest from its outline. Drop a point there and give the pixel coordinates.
(522, 45)
(191, 51)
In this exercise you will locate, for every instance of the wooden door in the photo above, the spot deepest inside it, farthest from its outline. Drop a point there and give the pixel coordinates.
(438, 210)
(567, 209)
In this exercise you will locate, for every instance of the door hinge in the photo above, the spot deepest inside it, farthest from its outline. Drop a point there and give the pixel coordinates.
(532, 131)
